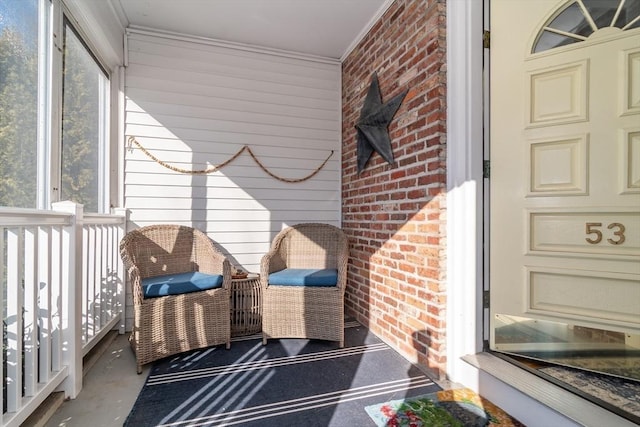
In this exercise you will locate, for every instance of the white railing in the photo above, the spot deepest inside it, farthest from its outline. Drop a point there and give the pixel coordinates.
(102, 279)
(62, 286)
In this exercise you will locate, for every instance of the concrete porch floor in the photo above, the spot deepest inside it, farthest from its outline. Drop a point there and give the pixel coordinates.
(110, 388)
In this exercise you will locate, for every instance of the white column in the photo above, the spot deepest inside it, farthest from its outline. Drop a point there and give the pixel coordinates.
(464, 187)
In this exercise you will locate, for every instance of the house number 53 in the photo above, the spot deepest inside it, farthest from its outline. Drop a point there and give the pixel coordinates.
(593, 229)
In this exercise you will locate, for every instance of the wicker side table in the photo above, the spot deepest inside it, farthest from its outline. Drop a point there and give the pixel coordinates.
(246, 305)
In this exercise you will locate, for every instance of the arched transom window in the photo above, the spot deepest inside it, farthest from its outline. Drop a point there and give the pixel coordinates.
(579, 19)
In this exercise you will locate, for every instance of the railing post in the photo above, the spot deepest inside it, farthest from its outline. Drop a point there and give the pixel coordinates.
(15, 298)
(122, 276)
(72, 297)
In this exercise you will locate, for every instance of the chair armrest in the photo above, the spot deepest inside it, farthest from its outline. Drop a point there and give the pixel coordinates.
(211, 261)
(342, 263)
(270, 263)
(136, 284)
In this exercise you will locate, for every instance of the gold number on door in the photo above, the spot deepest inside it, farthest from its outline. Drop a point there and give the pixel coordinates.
(618, 233)
(592, 229)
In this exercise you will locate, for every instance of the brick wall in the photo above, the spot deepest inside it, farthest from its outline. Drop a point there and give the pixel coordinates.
(395, 214)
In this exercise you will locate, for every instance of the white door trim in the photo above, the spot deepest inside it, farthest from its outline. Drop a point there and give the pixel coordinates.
(464, 184)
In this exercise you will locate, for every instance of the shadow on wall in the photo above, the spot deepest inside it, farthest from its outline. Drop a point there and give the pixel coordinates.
(422, 345)
(202, 114)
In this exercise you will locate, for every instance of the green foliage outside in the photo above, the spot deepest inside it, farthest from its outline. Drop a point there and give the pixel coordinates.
(18, 119)
(18, 122)
(80, 125)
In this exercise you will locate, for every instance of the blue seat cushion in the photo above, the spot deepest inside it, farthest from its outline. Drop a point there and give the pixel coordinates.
(304, 277)
(180, 283)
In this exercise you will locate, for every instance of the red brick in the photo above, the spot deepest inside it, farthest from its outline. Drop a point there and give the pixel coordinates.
(396, 276)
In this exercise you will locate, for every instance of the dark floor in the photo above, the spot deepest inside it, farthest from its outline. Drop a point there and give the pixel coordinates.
(288, 382)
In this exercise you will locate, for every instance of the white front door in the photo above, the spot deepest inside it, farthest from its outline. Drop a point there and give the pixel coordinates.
(565, 174)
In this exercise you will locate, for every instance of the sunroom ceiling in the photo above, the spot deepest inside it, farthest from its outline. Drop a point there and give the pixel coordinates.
(325, 28)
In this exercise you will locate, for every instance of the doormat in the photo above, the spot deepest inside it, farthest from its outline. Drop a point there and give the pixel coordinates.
(447, 408)
(627, 366)
(618, 395)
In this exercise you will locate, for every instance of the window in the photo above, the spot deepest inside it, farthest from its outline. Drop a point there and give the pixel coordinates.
(47, 155)
(582, 18)
(19, 47)
(84, 125)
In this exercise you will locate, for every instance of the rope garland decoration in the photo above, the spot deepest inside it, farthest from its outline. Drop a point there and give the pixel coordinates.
(215, 168)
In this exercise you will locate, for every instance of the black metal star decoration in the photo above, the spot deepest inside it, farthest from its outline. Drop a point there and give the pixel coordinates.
(373, 132)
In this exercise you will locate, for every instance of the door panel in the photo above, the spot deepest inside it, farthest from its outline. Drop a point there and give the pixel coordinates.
(565, 192)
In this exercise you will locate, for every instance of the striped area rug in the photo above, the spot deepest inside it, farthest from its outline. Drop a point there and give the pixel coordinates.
(288, 382)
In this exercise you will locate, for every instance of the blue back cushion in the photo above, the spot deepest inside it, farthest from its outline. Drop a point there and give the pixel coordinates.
(304, 277)
(181, 283)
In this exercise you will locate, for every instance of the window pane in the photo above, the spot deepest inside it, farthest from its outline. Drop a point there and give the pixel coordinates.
(18, 102)
(572, 20)
(549, 40)
(630, 11)
(602, 11)
(83, 130)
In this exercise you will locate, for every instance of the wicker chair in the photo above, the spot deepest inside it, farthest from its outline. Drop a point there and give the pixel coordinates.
(171, 324)
(313, 312)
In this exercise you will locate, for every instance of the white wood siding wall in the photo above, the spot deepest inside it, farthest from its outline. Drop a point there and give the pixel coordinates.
(194, 104)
